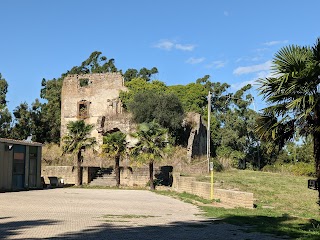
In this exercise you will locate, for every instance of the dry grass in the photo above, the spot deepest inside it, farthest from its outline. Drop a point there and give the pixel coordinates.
(284, 204)
(286, 194)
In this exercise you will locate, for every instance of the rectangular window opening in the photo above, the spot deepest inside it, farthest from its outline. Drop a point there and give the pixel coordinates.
(83, 111)
(83, 82)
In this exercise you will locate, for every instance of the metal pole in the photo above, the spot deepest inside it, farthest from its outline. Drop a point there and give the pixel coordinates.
(211, 186)
(208, 130)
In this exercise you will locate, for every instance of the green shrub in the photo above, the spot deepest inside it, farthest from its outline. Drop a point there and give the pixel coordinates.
(303, 169)
(217, 166)
(275, 168)
(298, 169)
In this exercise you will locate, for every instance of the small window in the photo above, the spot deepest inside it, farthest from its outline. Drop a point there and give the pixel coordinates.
(83, 82)
(83, 110)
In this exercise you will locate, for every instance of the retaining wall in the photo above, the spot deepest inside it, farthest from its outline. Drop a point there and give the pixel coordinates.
(68, 173)
(227, 197)
(128, 176)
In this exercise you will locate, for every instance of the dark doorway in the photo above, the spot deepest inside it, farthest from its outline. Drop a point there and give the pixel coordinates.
(18, 168)
(33, 167)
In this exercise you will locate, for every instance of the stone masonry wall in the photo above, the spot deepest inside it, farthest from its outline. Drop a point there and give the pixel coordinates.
(100, 96)
(128, 177)
(135, 177)
(67, 173)
(197, 142)
(202, 189)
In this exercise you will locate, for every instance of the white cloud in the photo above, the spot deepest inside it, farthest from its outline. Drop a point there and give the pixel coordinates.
(226, 13)
(249, 59)
(169, 45)
(216, 64)
(264, 74)
(253, 81)
(254, 68)
(237, 86)
(186, 47)
(165, 45)
(272, 43)
(195, 60)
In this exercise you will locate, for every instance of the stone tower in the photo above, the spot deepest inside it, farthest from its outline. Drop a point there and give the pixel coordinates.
(95, 99)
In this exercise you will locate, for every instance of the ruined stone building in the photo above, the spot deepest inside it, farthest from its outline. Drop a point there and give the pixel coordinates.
(95, 99)
(197, 141)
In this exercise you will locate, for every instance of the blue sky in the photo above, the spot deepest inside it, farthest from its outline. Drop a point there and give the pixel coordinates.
(233, 41)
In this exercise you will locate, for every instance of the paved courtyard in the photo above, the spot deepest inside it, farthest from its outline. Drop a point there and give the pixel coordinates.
(71, 213)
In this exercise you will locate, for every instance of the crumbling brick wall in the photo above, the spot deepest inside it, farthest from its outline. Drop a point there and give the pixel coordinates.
(93, 98)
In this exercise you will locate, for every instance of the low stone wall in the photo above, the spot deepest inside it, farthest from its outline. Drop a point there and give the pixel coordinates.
(227, 197)
(135, 177)
(67, 173)
(128, 176)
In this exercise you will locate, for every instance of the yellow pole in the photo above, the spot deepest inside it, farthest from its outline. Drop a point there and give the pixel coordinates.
(211, 170)
(211, 185)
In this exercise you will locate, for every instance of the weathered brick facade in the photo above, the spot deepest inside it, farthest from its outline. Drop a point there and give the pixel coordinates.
(95, 99)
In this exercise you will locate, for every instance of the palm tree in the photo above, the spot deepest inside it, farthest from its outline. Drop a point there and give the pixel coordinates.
(77, 140)
(293, 95)
(114, 145)
(151, 144)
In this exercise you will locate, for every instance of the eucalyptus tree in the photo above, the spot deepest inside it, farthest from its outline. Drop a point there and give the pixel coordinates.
(152, 141)
(77, 140)
(23, 124)
(293, 95)
(114, 145)
(5, 116)
(143, 73)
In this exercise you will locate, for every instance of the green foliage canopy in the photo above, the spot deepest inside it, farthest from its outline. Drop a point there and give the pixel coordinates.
(5, 115)
(165, 109)
(293, 95)
(152, 141)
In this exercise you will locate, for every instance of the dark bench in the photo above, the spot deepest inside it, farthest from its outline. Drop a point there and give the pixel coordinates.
(54, 181)
(313, 184)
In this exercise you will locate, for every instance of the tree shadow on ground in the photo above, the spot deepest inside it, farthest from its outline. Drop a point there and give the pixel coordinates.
(14, 228)
(272, 227)
(284, 225)
(200, 230)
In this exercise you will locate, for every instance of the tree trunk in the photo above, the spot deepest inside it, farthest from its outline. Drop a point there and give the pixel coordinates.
(316, 148)
(79, 174)
(117, 170)
(316, 145)
(151, 175)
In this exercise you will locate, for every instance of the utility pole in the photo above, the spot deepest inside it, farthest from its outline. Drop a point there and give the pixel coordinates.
(208, 130)
(210, 164)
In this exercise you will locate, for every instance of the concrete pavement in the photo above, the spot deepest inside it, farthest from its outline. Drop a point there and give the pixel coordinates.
(71, 213)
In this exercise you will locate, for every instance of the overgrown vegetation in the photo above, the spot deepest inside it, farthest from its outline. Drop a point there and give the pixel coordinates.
(235, 141)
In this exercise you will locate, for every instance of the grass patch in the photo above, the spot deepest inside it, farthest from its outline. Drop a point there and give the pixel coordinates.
(113, 221)
(284, 204)
(286, 194)
(127, 216)
(267, 221)
(186, 197)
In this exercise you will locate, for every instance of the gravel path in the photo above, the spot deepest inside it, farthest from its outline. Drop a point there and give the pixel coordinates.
(71, 213)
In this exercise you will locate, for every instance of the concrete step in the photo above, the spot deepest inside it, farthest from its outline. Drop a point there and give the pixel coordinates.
(104, 180)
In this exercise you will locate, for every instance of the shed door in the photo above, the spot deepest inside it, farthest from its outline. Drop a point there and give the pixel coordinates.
(33, 167)
(18, 170)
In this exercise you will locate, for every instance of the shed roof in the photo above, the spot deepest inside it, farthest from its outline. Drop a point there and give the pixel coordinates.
(20, 142)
